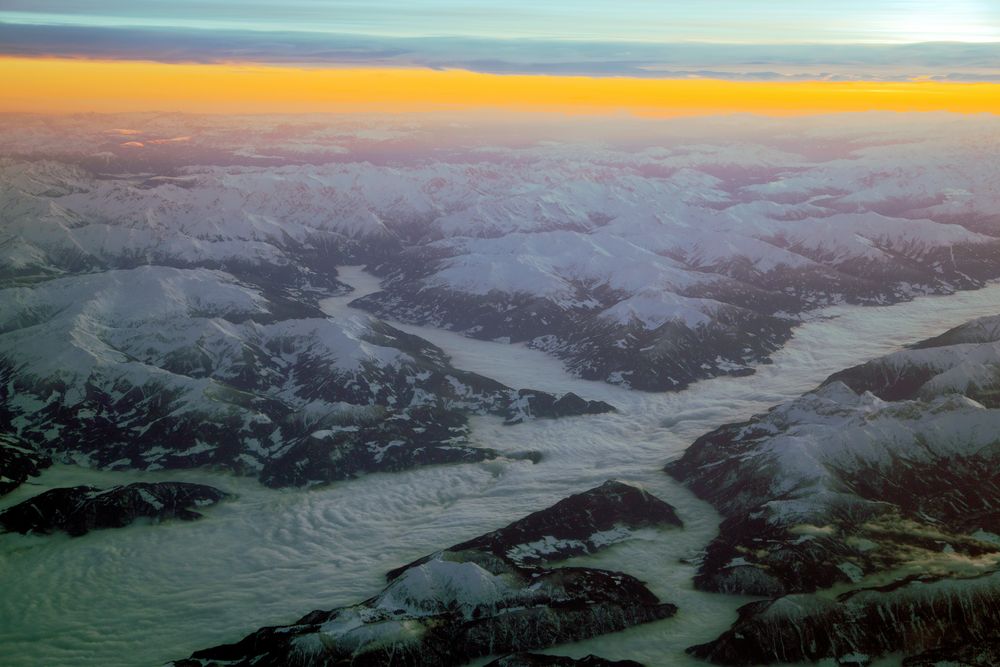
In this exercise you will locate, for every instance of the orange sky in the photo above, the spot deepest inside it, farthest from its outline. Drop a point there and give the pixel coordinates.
(61, 85)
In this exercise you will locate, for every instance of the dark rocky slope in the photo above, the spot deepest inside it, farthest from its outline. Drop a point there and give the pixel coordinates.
(913, 615)
(164, 368)
(887, 471)
(18, 462)
(984, 652)
(753, 311)
(539, 660)
(667, 357)
(577, 525)
(480, 597)
(80, 509)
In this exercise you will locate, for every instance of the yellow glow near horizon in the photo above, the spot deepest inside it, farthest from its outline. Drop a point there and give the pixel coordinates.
(63, 85)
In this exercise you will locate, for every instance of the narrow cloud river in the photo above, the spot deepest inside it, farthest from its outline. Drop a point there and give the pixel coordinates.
(146, 594)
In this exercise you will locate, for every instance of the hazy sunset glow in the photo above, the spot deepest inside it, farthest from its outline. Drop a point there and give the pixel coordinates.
(60, 85)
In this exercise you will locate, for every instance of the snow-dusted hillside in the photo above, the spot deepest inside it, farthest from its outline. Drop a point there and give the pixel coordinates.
(935, 622)
(647, 263)
(887, 470)
(964, 360)
(158, 367)
(481, 597)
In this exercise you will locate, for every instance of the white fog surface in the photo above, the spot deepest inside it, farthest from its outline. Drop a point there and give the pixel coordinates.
(147, 594)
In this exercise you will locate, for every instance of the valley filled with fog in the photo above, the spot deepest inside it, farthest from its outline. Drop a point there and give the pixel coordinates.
(381, 340)
(153, 592)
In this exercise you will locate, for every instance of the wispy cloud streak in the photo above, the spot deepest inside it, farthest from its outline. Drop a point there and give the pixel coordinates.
(947, 61)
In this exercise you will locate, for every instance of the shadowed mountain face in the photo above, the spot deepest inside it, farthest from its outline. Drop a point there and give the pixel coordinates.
(18, 461)
(492, 594)
(538, 660)
(888, 472)
(928, 615)
(80, 509)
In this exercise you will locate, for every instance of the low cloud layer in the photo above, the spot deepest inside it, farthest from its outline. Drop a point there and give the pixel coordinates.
(944, 61)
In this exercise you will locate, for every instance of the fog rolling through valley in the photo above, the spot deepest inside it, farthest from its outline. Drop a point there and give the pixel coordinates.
(147, 594)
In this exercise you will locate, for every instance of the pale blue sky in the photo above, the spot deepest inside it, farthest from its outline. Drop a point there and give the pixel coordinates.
(757, 39)
(754, 21)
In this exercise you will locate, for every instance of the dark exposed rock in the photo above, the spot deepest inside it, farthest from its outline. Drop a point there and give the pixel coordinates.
(18, 462)
(744, 332)
(884, 471)
(883, 486)
(757, 554)
(580, 524)
(911, 615)
(544, 405)
(423, 436)
(547, 608)
(540, 660)
(80, 509)
(982, 653)
(751, 557)
(477, 598)
(669, 357)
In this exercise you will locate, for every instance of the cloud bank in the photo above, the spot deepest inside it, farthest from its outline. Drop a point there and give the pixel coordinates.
(941, 61)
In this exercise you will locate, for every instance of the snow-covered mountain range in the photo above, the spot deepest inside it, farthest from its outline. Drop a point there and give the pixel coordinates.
(160, 288)
(158, 367)
(883, 480)
(648, 266)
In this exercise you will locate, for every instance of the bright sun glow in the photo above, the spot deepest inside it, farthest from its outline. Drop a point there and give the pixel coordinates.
(926, 29)
(947, 26)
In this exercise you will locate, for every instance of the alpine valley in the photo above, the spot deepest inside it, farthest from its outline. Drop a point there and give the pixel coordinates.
(412, 390)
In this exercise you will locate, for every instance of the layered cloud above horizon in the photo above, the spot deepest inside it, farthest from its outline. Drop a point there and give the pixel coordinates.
(901, 40)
